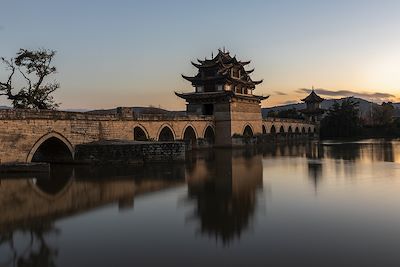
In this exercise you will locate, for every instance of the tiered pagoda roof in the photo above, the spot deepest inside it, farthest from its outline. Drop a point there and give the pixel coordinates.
(222, 69)
(313, 104)
(313, 98)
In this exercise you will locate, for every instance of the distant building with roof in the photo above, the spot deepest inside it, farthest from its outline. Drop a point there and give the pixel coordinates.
(313, 111)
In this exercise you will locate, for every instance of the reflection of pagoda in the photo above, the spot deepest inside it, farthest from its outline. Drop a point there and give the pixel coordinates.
(226, 195)
(314, 154)
(224, 89)
(313, 110)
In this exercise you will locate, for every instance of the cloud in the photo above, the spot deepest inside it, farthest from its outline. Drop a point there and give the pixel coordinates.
(279, 93)
(290, 102)
(376, 96)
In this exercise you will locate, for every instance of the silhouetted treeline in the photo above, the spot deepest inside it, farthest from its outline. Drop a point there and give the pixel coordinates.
(286, 114)
(344, 121)
(384, 122)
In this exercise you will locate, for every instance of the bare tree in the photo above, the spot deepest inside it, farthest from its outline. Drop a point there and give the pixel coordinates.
(34, 67)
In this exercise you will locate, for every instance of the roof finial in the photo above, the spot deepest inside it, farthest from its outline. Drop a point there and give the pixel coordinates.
(312, 88)
(212, 54)
(224, 49)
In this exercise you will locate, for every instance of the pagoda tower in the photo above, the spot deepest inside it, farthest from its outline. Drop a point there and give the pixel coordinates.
(313, 111)
(224, 89)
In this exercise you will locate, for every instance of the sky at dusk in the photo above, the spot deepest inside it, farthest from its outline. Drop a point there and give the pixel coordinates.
(132, 53)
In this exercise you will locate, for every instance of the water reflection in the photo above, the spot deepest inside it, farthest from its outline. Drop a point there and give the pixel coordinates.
(222, 191)
(37, 251)
(30, 207)
(224, 197)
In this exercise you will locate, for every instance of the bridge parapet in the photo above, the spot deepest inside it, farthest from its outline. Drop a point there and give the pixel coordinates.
(24, 114)
(167, 117)
(269, 119)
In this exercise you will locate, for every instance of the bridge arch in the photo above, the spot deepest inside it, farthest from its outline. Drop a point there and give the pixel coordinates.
(289, 131)
(166, 133)
(281, 129)
(273, 129)
(209, 134)
(51, 147)
(264, 130)
(303, 130)
(140, 133)
(248, 131)
(189, 134)
(297, 131)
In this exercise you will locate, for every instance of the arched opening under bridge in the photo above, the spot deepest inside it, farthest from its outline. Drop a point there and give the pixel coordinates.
(247, 132)
(209, 135)
(51, 150)
(189, 136)
(139, 134)
(273, 130)
(166, 134)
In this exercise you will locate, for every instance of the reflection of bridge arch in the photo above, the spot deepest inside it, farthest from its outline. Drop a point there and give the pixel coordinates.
(166, 133)
(52, 147)
(140, 133)
(56, 185)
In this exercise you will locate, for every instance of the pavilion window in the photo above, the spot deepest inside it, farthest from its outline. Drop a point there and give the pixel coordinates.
(208, 109)
(200, 89)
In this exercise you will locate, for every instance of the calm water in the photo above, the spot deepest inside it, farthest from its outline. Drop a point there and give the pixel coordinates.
(331, 204)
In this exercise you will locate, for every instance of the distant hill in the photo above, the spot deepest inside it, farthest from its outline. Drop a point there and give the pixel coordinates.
(76, 110)
(364, 106)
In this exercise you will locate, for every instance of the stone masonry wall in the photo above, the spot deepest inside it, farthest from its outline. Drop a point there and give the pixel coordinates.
(129, 152)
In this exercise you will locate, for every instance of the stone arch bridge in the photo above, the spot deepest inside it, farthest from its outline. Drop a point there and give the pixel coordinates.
(29, 136)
